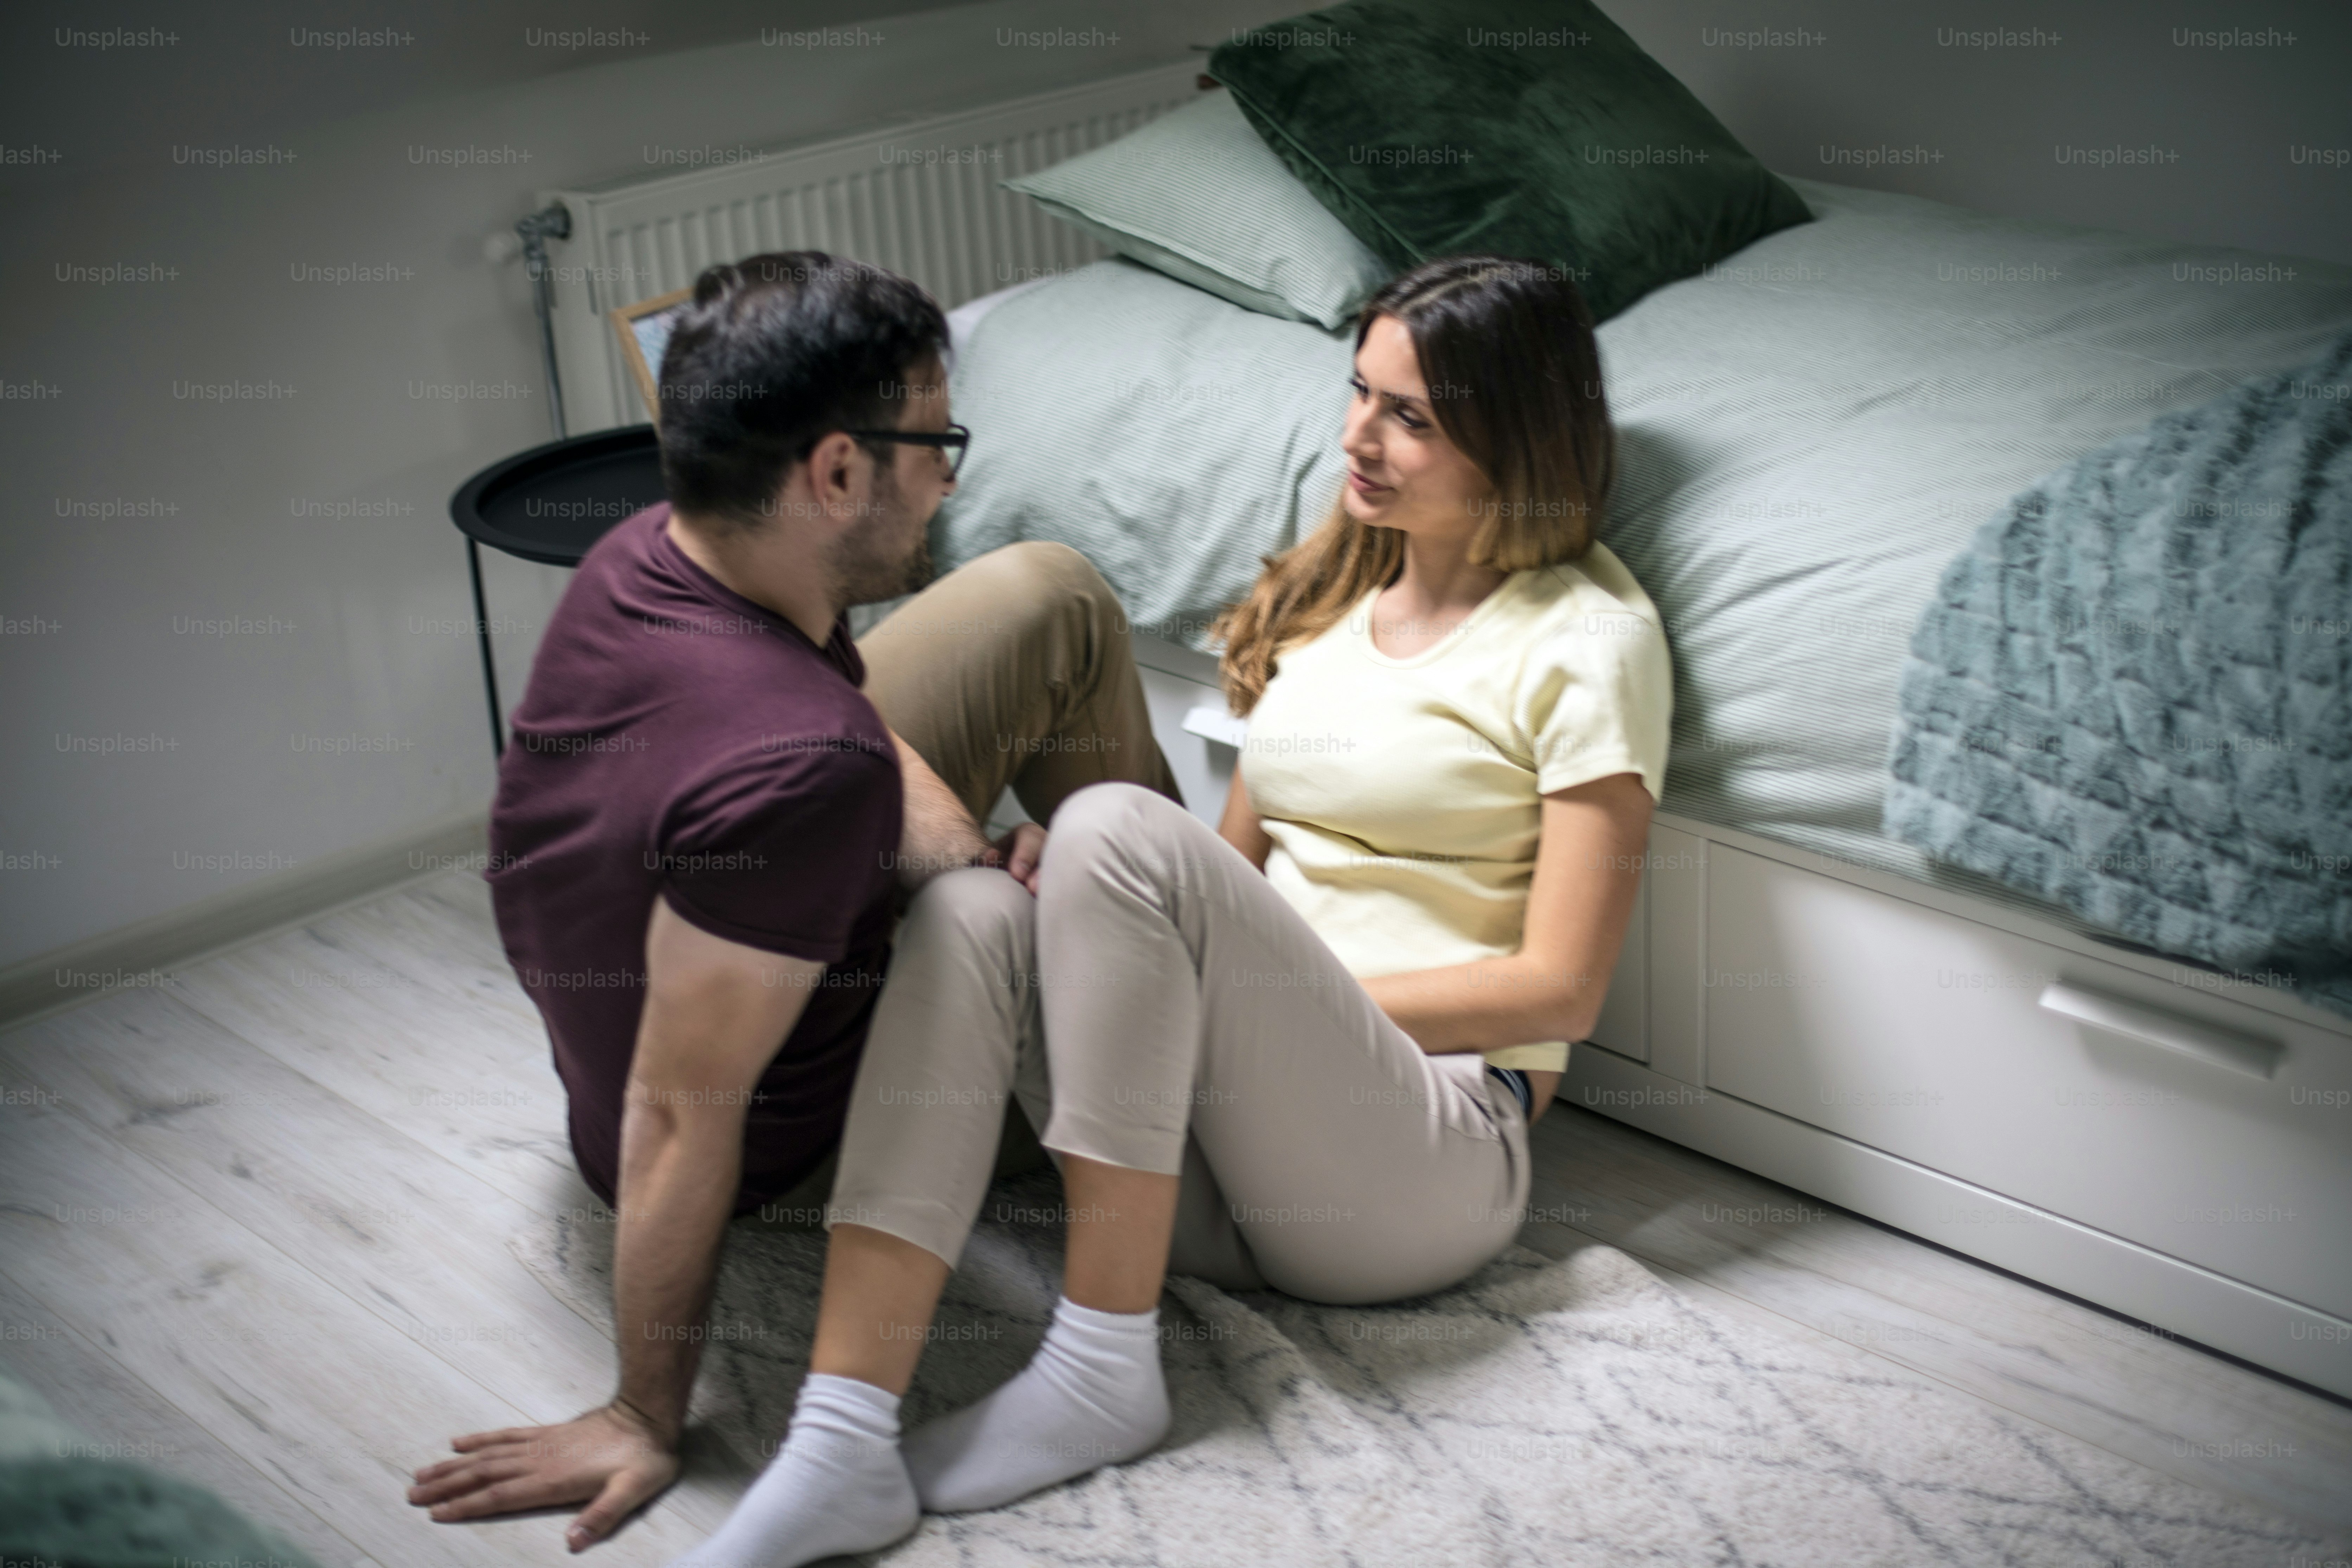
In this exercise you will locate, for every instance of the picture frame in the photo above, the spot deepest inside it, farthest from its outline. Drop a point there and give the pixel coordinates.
(643, 329)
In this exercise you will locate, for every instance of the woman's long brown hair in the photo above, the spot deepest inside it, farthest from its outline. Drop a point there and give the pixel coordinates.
(1506, 349)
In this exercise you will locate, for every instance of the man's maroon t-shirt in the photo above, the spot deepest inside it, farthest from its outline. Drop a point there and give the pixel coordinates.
(679, 742)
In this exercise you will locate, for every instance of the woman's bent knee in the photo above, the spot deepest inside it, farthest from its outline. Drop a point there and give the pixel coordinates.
(1111, 812)
(1117, 824)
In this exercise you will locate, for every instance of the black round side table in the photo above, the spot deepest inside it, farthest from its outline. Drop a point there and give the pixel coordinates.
(549, 505)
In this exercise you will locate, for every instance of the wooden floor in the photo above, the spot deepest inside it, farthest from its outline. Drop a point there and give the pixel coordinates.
(253, 1228)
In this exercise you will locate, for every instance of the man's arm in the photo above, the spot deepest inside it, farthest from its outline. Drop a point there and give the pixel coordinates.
(716, 1013)
(938, 834)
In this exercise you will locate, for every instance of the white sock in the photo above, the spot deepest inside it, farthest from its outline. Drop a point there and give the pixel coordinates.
(837, 1484)
(1092, 1395)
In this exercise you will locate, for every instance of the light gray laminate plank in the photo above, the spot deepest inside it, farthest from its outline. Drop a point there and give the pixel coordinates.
(106, 1404)
(2159, 1401)
(457, 908)
(441, 934)
(436, 936)
(409, 1237)
(468, 1081)
(334, 1404)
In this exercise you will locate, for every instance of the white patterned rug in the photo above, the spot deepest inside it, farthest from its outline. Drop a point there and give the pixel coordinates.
(1542, 1412)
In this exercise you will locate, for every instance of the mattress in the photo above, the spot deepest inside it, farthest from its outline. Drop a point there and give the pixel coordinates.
(1809, 431)
(1813, 429)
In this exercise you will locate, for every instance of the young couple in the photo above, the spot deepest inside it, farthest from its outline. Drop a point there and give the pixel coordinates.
(1301, 1052)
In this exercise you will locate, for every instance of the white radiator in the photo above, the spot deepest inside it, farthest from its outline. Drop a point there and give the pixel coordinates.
(916, 194)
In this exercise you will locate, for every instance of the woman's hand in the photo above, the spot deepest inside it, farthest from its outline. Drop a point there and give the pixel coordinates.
(609, 1458)
(1241, 827)
(1542, 1086)
(1579, 902)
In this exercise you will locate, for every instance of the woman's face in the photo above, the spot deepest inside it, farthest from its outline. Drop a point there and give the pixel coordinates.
(1402, 471)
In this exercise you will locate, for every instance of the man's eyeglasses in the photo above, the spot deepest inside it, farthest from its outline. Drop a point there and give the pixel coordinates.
(953, 441)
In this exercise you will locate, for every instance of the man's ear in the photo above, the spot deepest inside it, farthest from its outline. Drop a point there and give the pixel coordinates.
(832, 469)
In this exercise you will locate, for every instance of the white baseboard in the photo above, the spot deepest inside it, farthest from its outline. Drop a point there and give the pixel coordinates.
(139, 955)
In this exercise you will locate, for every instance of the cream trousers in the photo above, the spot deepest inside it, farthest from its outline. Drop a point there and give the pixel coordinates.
(1158, 1006)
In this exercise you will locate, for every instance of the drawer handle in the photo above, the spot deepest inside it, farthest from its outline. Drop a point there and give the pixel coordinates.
(2206, 1042)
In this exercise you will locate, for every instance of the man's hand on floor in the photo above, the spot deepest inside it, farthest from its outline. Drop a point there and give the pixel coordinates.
(609, 1456)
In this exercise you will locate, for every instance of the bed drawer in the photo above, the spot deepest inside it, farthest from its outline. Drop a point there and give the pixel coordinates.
(2192, 1123)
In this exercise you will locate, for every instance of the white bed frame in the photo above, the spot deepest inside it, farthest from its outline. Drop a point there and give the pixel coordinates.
(2146, 1135)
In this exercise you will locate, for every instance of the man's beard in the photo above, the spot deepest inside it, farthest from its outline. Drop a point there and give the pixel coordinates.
(866, 564)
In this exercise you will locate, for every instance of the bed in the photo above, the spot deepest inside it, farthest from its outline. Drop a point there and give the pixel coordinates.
(1811, 429)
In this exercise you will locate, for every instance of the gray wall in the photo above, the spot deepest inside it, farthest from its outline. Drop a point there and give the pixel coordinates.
(1829, 78)
(264, 659)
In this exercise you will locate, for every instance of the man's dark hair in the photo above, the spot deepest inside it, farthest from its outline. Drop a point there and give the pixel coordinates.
(773, 352)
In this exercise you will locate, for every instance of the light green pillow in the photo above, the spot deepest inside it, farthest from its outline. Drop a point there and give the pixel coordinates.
(1197, 194)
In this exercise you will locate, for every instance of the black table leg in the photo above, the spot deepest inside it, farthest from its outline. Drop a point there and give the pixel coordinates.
(482, 630)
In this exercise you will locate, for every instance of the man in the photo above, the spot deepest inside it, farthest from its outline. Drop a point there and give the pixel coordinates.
(715, 802)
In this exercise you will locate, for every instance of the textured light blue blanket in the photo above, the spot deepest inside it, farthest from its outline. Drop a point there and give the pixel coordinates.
(2132, 692)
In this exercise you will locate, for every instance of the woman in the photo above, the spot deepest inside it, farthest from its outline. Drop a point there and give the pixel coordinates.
(1302, 1052)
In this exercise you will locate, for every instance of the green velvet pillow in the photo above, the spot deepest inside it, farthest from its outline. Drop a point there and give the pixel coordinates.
(1197, 195)
(1524, 128)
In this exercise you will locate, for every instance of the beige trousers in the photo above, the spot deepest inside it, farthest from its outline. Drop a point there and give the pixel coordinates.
(1014, 671)
(1159, 1006)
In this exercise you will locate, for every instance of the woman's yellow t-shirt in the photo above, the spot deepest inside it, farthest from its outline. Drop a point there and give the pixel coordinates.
(1402, 794)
